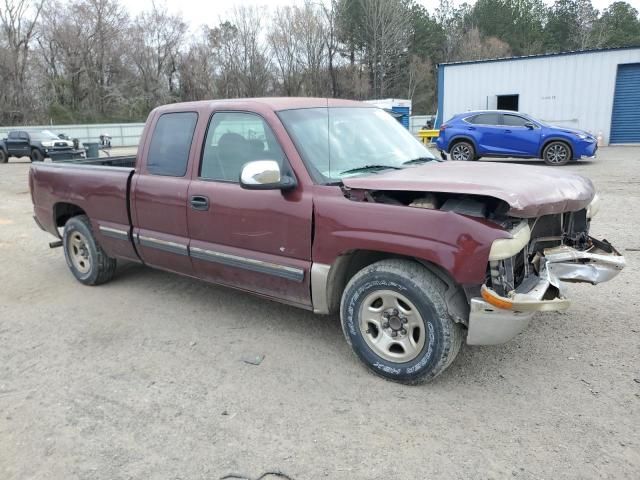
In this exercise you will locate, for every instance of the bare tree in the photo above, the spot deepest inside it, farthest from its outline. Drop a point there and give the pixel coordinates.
(285, 42)
(103, 26)
(331, 42)
(253, 63)
(473, 47)
(156, 37)
(386, 27)
(419, 74)
(310, 28)
(18, 23)
(198, 69)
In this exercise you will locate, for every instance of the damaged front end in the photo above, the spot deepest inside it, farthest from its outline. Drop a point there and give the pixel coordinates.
(528, 273)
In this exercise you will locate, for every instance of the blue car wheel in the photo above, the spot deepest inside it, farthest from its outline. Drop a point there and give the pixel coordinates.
(556, 154)
(462, 151)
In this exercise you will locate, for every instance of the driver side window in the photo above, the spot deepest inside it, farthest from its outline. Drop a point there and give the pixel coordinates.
(233, 139)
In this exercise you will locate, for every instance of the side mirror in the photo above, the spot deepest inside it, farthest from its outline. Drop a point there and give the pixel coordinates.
(265, 175)
(530, 125)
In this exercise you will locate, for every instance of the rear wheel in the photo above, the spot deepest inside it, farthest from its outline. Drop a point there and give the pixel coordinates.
(394, 316)
(85, 257)
(556, 154)
(4, 158)
(37, 155)
(463, 151)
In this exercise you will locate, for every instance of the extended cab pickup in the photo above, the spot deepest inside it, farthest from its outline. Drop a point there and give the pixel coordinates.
(332, 206)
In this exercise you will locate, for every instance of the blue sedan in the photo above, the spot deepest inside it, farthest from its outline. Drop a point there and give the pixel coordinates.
(496, 133)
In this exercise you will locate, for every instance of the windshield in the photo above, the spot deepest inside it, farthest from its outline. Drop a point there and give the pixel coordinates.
(43, 135)
(339, 142)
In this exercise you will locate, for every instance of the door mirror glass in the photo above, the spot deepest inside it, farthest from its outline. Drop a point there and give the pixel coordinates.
(530, 125)
(264, 175)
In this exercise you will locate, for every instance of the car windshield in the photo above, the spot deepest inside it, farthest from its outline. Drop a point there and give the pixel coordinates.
(43, 135)
(338, 142)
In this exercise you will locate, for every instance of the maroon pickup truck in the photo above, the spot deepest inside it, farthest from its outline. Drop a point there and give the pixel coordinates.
(332, 206)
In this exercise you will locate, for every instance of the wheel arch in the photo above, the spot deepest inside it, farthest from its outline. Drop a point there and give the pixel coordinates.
(329, 281)
(63, 211)
(462, 138)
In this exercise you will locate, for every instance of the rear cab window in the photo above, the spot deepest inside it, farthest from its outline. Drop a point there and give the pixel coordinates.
(170, 144)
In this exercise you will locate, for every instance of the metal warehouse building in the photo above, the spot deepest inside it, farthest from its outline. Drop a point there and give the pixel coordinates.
(593, 90)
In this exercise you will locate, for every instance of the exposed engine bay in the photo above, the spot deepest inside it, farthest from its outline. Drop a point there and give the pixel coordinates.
(472, 205)
(556, 246)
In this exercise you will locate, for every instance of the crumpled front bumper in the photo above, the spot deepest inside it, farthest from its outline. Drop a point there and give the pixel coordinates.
(494, 319)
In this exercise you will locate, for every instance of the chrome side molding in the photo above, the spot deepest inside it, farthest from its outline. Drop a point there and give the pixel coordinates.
(283, 271)
(114, 232)
(163, 245)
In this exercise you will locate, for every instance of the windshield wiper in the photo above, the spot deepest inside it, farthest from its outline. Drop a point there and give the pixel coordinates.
(414, 161)
(367, 168)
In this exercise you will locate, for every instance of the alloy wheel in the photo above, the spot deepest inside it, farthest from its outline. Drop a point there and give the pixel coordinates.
(557, 154)
(461, 152)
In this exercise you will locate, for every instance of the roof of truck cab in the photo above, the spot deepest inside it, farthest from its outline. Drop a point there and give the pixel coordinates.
(273, 103)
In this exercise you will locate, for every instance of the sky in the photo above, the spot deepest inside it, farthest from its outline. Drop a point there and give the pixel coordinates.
(199, 12)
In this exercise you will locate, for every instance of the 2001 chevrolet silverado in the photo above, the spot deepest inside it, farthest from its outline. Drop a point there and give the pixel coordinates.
(332, 206)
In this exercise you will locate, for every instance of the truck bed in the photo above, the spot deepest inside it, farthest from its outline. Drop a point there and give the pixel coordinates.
(98, 188)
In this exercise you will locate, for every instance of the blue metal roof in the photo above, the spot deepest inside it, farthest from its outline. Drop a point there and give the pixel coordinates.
(539, 55)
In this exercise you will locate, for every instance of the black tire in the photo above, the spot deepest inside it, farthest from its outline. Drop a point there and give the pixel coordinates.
(462, 151)
(37, 155)
(557, 154)
(88, 263)
(4, 158)
(426, 292)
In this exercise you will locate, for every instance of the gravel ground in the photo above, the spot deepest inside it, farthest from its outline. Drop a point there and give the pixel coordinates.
(143, 378)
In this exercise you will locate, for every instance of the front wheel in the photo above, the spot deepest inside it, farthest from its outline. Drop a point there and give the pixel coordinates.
(394, 316)
(463, 151)
(85, 257)
(37, 155)
(556, 154)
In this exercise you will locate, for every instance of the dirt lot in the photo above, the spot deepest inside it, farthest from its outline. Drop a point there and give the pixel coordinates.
(143, 378)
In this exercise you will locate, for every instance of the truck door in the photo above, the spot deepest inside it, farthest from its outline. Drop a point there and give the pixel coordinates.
(256, 240)
(18, 144)
(160, 194)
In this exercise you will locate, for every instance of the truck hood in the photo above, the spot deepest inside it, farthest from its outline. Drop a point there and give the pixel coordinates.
(529, 191)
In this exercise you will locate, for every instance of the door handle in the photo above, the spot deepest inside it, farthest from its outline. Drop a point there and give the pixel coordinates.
(507, 131)
(199, 202)
(471, 128)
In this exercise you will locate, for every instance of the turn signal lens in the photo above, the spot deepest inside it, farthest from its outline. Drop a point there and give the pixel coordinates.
(494, 299)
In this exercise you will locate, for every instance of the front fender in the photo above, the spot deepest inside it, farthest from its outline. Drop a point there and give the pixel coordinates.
(457, 244)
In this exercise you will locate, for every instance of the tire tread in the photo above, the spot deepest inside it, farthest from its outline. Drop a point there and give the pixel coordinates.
(435, 289)
(105, 265)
